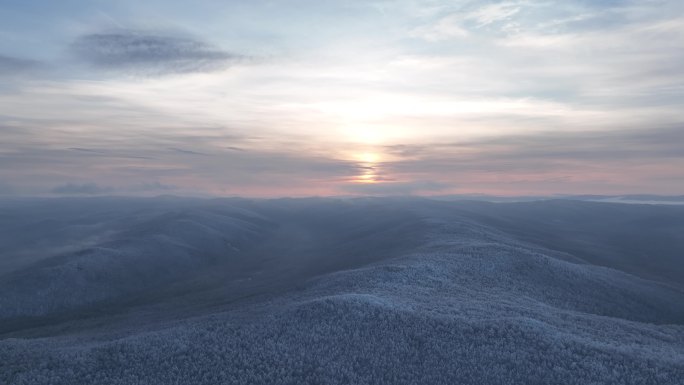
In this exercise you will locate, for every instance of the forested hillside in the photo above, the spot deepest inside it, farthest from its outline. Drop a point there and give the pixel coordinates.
(355, 291)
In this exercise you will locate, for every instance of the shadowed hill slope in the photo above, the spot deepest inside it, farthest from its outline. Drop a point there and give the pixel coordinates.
(646, 240)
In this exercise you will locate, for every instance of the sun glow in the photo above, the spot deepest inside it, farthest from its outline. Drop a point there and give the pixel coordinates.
(369, 157)
(368, 166)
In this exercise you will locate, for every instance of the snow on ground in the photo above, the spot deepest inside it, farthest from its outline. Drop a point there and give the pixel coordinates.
(367, 291)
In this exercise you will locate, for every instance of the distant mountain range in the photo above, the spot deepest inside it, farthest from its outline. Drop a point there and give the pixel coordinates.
(633, 198)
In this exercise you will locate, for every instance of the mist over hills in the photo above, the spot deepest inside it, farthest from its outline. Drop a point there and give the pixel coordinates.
(365, 291)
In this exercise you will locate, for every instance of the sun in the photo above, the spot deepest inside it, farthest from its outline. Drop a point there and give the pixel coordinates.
(368, 157)
(368, 164)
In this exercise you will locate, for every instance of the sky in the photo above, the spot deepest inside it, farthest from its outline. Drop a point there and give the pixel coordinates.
(334, 98)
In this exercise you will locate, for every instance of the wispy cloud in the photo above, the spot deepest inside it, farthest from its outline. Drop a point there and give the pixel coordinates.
(150, 53)
(152, 187)
(463, 95)
(549, 161)
(81, 189)
(6, 189)
(185, 151)
(397, 188)
(14, 65)
(587, 146)
(448, 27)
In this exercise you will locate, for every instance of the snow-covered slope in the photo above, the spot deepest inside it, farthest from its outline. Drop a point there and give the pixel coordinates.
(365, 291)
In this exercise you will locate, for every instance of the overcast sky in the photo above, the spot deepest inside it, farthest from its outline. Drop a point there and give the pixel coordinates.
(298, 98)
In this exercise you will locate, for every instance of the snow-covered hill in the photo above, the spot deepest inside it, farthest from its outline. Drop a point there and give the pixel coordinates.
(361, 291)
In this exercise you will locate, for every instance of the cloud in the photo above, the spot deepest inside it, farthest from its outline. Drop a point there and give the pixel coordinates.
(542, 151)
(493, 13)
(468, 21)
(87, 150)
(446, 28)
(493, 69)
(13, 65)
(183, 151)
(395, 188)
(39, 160)
(550, 162)
(81, 189)
(149, 53)
(103, 153)
(152, 187)
(6, 189)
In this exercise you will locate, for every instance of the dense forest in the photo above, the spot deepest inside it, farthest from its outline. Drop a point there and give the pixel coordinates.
(366, 291)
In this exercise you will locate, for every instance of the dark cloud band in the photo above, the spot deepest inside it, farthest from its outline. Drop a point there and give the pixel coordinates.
(81, 189)
(12, 65)
(150, 53)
